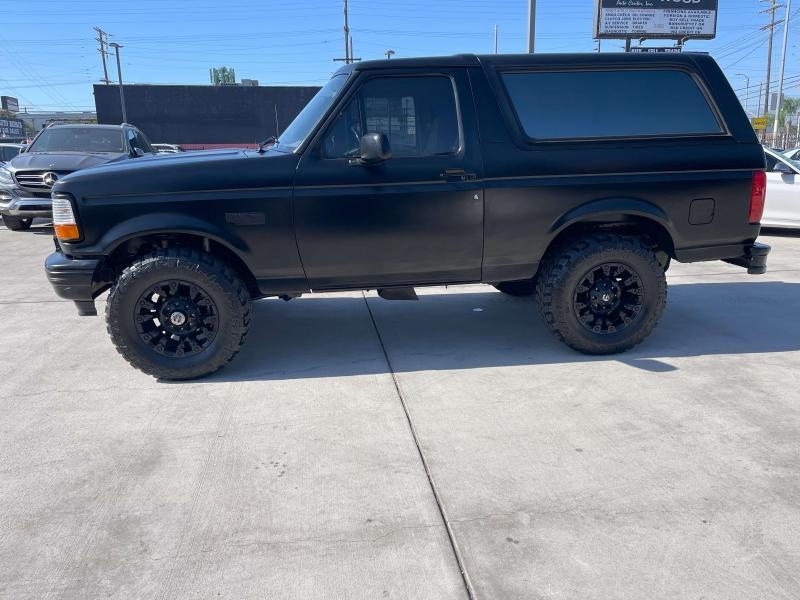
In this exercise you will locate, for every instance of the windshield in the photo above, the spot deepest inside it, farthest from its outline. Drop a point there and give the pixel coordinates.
(304, 123)
(79, 139)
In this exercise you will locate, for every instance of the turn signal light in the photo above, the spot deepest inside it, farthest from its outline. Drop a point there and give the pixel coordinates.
(758, 191)
(64, 223)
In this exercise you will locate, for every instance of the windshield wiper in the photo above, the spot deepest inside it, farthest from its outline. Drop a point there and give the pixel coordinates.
(271, 140)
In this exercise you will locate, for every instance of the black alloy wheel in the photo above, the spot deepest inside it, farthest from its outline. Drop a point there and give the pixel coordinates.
(608, 298)
(176, 318)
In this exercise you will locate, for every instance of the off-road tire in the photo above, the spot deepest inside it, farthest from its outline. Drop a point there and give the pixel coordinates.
(517, 288)
(17, 223)
(203, 270)
(563, 270)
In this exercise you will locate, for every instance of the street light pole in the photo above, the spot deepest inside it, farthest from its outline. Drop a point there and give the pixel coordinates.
(778, 103)
(747, 90)
(116, 48)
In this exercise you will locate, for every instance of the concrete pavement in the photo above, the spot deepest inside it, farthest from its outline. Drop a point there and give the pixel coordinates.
(668, 472)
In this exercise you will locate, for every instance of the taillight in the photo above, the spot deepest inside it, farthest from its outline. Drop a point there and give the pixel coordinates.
(64, 223)
(758, 191)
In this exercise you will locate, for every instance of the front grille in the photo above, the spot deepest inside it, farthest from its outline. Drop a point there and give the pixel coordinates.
(38, 181)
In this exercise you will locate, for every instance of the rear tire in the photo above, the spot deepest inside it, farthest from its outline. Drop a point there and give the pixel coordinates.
(178, 314)
(602, 294)
(17, 223)
(517, 288)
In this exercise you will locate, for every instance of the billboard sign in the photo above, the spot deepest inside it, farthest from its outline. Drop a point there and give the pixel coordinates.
(9, 103)
(656, 50)
(11, 128)
(654, 19)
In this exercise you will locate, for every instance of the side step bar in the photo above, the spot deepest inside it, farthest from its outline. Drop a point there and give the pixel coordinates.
(398, 293)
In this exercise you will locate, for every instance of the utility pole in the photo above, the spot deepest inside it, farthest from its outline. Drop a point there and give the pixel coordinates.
(531, 25)
(349, 57)
(773, 7)
(116, 48)
(348, 42)
(783, 64)
(495, 39)
(747, 92)
(102, 40)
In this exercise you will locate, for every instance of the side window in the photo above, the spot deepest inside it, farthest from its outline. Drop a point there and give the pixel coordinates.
(416, 113)
(142, 142)
(621, 103)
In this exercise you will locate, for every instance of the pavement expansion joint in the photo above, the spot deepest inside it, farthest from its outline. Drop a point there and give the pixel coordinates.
(439, 504)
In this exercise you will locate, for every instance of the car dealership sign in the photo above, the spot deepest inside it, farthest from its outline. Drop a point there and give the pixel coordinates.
(672, 19)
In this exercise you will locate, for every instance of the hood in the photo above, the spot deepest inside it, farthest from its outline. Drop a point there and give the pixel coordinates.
(183, 173)
(60, 161)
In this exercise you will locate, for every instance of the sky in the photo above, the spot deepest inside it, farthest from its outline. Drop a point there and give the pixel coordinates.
(49, 58)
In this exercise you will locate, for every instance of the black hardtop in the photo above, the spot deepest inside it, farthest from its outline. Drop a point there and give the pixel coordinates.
(589, 59)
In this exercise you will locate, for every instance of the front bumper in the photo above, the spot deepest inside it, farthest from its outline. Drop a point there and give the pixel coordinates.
(78, 279)
(754, 259)
(15, 205)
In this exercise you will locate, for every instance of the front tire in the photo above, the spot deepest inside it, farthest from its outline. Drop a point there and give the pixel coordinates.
(17, 223)
(602, 294)
(178, 314)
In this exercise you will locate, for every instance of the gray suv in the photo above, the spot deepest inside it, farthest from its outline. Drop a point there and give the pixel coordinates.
(26, 179)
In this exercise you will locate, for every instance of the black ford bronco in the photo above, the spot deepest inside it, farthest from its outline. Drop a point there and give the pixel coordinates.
(573, 178)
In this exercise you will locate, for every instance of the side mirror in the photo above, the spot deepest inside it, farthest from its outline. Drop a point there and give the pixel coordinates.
(375, 148)
(138, 152)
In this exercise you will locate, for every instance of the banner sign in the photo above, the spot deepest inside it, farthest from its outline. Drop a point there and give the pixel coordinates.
(654, 19)
(11, 128)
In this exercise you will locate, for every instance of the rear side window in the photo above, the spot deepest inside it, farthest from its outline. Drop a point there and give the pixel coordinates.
(604, 104)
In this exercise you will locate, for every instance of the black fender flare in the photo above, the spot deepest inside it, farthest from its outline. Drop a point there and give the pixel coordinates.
(168, 223)
(613, 210)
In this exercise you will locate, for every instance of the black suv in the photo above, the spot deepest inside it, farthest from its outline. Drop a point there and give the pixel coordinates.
(574, 178)
(58, 150)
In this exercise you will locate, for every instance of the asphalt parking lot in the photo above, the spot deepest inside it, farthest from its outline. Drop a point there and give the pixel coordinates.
(672, 471)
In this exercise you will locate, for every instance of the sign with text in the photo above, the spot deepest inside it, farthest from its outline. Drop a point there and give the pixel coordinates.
(9, 103)
(759, 123)
(654, 19)
(656, 50)
(11, 128)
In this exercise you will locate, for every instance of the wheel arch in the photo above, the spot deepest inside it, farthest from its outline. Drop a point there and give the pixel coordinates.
(619, 214)
(131, 240)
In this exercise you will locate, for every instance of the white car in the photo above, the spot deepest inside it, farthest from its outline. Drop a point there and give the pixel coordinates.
(793, 154)
(782, 204)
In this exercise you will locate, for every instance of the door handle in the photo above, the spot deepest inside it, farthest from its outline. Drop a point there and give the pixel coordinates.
(457, 175)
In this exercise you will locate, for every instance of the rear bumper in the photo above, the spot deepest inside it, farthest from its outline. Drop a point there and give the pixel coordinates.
(80, 280)
(752, 257)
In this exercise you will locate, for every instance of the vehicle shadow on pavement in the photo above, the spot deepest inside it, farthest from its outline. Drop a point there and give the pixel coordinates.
(332, 336)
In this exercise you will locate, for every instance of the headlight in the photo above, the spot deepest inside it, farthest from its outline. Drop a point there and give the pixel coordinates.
(5, 176)
(64, 223)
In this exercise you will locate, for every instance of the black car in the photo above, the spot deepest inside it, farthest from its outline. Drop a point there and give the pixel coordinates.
(26, 179)
(572, 177)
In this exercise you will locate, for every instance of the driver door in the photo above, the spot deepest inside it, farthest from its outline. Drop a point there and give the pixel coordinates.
(415, 218)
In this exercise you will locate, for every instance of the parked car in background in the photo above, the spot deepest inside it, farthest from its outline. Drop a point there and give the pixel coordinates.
(782, 204)
(167, 148)
(57, 151)
(793, 154)
(9, 151)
